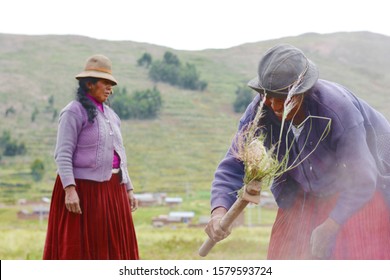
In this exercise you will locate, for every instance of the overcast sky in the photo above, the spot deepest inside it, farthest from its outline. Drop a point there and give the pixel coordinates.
(192, 24)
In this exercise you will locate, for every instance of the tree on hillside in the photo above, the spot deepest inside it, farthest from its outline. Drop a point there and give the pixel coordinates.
(37, 170)
(145, 60)
(5, 138)
(189, 78)
(164, 72)
(54, 115)
(13, 148)
(9, 146)
(144, 104)
(121, 102)
(10, 110)
(148, 103)
(244, 96)
(50, 101)
(34, 114)
(171, 70)
(171, 58)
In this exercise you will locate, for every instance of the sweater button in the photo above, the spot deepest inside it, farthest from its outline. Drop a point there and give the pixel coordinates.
(111, 133)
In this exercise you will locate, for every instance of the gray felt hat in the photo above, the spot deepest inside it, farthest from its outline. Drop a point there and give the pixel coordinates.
(280, 68)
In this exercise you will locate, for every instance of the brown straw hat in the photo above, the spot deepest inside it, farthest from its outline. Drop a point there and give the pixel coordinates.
(281, 67)
(98, 66)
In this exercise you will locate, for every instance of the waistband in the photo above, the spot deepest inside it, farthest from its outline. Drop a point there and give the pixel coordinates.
(116, 170)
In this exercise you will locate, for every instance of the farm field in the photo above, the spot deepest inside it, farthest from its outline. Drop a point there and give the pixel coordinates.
(24, 239)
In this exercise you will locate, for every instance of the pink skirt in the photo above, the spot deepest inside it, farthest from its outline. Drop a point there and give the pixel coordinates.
(366, 235)
(104, 230)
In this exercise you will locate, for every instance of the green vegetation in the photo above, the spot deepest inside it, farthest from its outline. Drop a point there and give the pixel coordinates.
(145, 60)
(34, 114)
(244, 96)
(24, 239)
(37, 169)
(170, 70)
(144, 104)
(11, 147)
(10, 110)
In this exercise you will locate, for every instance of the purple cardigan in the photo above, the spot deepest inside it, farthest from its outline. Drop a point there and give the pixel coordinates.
(352, 160)
(84, 150)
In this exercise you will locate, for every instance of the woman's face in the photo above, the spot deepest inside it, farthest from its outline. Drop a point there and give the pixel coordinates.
(277, 106)
(101, 90)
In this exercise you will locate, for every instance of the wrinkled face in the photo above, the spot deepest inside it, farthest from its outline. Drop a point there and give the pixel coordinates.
(277, 105)
(101, 90)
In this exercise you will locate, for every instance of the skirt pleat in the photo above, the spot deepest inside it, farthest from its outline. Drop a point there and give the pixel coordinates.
(366, 235)
(104, 230)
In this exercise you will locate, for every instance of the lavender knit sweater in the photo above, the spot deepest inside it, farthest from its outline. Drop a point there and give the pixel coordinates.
(84, 150)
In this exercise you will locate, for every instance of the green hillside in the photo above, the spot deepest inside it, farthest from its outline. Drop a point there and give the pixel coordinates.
(179, 151)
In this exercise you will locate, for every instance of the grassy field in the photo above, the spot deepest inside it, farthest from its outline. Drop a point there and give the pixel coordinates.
(24, 239)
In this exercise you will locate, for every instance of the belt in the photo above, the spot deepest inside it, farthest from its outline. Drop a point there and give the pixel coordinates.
(116, 170)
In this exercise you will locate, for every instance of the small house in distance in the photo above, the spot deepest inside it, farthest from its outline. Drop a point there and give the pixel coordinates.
(184, 217)
(150, 199)
(39, 212)
(173, 201)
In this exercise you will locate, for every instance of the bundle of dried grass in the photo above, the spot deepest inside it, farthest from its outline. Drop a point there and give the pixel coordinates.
(260, 164)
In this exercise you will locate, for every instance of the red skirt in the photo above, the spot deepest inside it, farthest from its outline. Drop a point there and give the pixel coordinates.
(366, 235)
(104, 230)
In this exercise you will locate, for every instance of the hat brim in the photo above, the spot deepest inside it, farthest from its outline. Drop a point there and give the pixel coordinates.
(309, 79)
(97, 74)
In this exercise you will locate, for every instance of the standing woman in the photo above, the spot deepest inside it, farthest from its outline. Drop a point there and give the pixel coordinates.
(90, 213)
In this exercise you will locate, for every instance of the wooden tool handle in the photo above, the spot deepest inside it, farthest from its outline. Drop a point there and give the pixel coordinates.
(206, 247)
(225, 223)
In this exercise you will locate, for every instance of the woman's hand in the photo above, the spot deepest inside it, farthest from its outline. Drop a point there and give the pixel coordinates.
(133, 200)
(72, 201)
(213, 228)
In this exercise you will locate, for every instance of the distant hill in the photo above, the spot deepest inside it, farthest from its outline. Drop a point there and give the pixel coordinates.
(179, 151)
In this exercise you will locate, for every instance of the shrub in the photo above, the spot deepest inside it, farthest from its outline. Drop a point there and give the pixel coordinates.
(10, 147)
(140, 105)
(170, 70)
(145, 60)
(244, 97)
(37, 170)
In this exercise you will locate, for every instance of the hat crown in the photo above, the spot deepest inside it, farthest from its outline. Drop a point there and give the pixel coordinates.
(99, 63)
(98, 66)
(281, 67)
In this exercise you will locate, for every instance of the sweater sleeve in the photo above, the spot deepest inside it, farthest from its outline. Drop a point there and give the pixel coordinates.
(228, 179)
(229, 176)
(68, 130)
(129, 184)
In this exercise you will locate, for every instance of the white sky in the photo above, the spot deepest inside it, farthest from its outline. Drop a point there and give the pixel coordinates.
(192, 24)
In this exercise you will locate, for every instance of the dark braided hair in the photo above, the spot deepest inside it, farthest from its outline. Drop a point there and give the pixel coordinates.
(81, 96)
